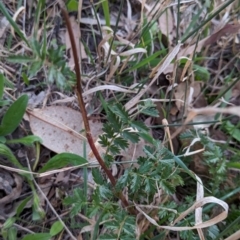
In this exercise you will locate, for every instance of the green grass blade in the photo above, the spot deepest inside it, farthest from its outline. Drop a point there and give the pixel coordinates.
(13, 116)
(6, 152)
(145, 61)
(14, 25)
(106, 12)
(62, 160)
(40, 5)
(207, 20)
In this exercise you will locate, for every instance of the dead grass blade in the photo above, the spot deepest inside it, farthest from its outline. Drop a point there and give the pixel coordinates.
(198, 204)
(157, 71)
(234, 236)
(226, 29)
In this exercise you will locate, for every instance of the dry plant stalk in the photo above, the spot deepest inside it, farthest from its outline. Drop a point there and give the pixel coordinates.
(84, 113)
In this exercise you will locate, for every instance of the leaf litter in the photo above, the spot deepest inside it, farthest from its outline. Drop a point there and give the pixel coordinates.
(60, 126)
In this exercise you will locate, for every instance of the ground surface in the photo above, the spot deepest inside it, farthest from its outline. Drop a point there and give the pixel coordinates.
(182, 85)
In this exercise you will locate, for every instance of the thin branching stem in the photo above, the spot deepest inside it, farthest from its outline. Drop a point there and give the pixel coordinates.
(84, 112)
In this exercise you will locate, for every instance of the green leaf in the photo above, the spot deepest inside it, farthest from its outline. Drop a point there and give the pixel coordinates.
(120, 142)
(150, 112)
(4, 103)
(2, 139)
(56, 228)
(35, 68)
(182, 164)
(122, 181)
(105, 192)
(51, 74)
(62, 160)
(167, 186)
(105, 7)
(12, 233)
(22, 205)
(140, 126)
(233, 165)
(145, 168)
(120, 111)
(135, 182)
(107, 236)
(146, 136)
(97, 176)
(38, 212)
(149, 185)
(131, 136)
(13, 116)
(9, 222)
(44, 45)
(77, 200)
(28, 140)
(37, 13)
(60, 80)
(25, 78)
(232, 130)
(145, 61)
(4, 233)
(72, 5)
(1, 85)
(20, 59)
(37, 236)
(6, 152)
(148, 108)
(97, 225)
(201, 73)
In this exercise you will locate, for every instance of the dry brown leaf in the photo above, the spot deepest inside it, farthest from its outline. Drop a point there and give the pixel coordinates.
(181, 94)
(174, 110)
(197, 204)
(198, 97)
(166, 24)
(77, 35)
(227, 29)
(59, 127)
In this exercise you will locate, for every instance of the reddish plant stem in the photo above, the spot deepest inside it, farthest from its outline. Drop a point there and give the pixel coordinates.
(84, 112)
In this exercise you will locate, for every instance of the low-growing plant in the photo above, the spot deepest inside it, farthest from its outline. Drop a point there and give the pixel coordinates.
(142, 203)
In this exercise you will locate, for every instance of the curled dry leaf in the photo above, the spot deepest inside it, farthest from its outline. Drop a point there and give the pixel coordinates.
(200, 202)
(60, 129)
